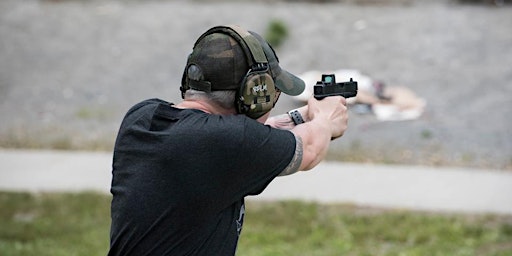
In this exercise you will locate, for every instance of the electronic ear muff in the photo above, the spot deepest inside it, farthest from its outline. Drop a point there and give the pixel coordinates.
(256, 95)
(257, 92)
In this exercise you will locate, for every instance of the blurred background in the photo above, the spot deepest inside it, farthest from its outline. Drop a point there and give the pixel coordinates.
(70, 69)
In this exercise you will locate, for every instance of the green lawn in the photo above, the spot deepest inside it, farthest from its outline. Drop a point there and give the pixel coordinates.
(78, 224)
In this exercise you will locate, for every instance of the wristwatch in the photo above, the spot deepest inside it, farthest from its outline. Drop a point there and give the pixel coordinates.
(296, 116)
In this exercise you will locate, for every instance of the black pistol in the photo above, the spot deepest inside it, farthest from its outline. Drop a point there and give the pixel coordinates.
(328, 87)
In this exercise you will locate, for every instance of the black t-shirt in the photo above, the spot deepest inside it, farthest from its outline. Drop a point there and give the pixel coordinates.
(180, 177)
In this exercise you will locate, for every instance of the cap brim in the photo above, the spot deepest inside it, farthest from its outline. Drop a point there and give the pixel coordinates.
(289, 83)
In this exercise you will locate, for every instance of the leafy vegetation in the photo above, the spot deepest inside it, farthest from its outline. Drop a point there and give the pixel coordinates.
(276, 33)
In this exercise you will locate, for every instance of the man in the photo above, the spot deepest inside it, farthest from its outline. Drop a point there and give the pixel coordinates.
(181, 172)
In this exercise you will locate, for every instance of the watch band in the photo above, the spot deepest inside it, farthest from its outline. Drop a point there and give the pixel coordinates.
(296, 116)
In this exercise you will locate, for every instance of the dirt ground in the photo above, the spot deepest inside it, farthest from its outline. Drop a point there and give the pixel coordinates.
(69, 70)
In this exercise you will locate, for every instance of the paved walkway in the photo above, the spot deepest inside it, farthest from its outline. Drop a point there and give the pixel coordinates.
(405, 187)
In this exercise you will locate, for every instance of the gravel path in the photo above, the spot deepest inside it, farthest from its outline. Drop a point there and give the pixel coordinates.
(384, 186)
(69, 70)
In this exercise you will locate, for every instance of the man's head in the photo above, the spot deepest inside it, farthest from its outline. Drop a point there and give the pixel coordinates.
(228, 58)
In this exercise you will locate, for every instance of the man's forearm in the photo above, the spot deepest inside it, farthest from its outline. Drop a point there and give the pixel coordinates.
(315, 136)
(284, 122)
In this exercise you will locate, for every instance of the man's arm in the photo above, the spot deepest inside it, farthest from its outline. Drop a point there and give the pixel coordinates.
(294, 164)
(324, 120)
(328, 120)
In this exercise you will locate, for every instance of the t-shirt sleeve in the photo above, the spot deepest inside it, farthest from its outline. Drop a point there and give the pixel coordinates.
(258, 153)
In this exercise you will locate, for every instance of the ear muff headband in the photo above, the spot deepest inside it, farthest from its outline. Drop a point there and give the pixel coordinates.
(250, 45)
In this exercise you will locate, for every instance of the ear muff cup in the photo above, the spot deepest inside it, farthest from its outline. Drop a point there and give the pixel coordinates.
(256, 95)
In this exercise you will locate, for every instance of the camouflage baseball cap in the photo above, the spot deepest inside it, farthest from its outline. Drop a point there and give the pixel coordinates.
(218, 62)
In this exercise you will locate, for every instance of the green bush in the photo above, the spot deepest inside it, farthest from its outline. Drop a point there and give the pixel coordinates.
(276, 33)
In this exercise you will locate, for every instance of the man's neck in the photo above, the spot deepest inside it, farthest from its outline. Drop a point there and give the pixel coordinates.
(205, 107)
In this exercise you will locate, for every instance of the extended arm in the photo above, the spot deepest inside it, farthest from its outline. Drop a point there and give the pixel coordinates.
(324, 120)
(328, 120)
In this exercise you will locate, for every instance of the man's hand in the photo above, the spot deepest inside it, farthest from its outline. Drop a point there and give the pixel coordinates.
(332, 111)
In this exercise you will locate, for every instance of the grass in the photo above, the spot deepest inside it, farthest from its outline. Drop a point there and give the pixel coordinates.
(54, 224)
(295, 228)
(78, 224)
(55, 138)
(430, 154)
